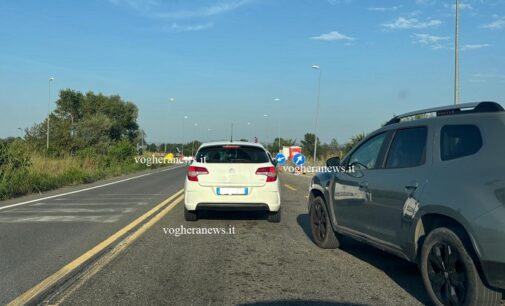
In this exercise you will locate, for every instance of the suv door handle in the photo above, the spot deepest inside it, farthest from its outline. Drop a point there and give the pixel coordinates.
(411, 187)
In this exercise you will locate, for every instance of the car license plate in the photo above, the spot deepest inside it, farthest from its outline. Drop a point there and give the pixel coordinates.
(232, 191)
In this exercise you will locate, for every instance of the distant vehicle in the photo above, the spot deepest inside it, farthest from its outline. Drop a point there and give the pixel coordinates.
(429, 187)
(232, 176)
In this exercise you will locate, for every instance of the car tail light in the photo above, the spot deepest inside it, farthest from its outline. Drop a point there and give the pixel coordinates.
(194, 172)
(270, 172)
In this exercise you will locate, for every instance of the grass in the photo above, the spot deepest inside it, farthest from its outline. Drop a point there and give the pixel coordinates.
(46, 173)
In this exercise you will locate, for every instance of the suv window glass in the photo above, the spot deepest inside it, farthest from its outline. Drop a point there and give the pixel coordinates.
(366, 155)
(232, 154)
(408, 148)
(459, 140)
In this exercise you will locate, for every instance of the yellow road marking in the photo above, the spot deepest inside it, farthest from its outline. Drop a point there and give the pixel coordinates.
(102, 262)
(66, 270)
(290, 187)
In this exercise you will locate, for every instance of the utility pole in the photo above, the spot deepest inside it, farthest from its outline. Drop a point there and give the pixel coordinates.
(456, 57)
(317, 109)
(48, 113)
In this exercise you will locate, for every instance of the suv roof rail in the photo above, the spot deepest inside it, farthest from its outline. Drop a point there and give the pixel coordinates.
(465, 108)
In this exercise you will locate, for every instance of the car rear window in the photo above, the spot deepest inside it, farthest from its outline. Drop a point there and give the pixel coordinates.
(459, 140)
(232, 154)
(408, 148)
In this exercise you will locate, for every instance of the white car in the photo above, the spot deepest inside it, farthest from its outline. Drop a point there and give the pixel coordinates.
(232, 176)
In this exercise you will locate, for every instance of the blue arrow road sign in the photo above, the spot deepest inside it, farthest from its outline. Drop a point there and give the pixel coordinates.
(280, 158)
(299, 159)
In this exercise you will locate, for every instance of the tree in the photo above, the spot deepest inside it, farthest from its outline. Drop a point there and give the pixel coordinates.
(86, 120)
(354, 140)
(274, 146)
(308, 145)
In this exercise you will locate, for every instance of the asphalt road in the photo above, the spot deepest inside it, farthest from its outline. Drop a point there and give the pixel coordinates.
(260, 263)
(38, 238)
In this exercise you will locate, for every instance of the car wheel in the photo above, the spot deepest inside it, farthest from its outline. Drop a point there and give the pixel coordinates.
(320, 225)
(190, 215)
(274, 216)
(449, 272)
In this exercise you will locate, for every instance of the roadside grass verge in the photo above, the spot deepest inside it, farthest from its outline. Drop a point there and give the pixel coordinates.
(48, 173)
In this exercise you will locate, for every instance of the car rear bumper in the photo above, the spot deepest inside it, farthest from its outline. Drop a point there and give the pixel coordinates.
(233, 206)
(197, 197)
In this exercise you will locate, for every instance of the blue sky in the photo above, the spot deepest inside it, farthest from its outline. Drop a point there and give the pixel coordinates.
(225, 61)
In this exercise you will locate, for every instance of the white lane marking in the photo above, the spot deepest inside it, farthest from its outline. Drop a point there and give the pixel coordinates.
(73, 204)
(95, 219)
(58, 210)
(85, 189)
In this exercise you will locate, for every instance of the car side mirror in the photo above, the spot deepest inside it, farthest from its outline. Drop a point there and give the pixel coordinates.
(333, 161)
(274, 162)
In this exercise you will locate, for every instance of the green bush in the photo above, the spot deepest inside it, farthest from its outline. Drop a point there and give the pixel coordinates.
(122, 151)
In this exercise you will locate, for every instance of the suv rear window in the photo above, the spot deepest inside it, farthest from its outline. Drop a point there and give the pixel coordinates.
(232, 154)
(408, 148)
(459, 140)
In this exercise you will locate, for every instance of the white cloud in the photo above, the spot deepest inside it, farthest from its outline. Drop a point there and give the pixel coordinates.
(384, 9)
(139, 5)
(489, 76)
(426, 2)
(497, 24)
(411, 23)
(190, 28)
(335, 2)
(212, 10)
(165, 10)
(484, 77)
(332, 36)
(433, 41)
(474, 46)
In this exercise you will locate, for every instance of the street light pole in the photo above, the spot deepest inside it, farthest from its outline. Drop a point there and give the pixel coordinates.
(48, 113)
(266, 127)
(278, 124)
(317, 109)
(456, 57)
(170, 100)
(183, 120)
(193, 142)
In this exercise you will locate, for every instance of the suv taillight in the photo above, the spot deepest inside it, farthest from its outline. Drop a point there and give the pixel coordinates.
(270, 172)
(194, 172)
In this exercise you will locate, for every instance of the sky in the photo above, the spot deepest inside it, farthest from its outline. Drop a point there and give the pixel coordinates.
(236, 61)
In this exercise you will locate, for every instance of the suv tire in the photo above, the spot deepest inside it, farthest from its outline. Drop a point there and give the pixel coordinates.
(449, 273)
(190, 215)
(320, 226)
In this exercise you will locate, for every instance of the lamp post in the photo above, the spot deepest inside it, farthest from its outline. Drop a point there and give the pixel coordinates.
(171, 100)
(317, 109)
(278, 123)
(456, 57)
(183, 120)
(266, 127)
(51, 79)
(193, 142)
(249, 129)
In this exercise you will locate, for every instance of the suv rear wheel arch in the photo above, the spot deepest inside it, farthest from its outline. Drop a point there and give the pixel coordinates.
(429, 222)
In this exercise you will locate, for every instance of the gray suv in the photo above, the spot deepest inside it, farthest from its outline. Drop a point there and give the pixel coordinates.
(429, 186)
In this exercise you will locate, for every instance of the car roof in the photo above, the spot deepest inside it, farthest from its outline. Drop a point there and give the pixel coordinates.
(231, 143)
